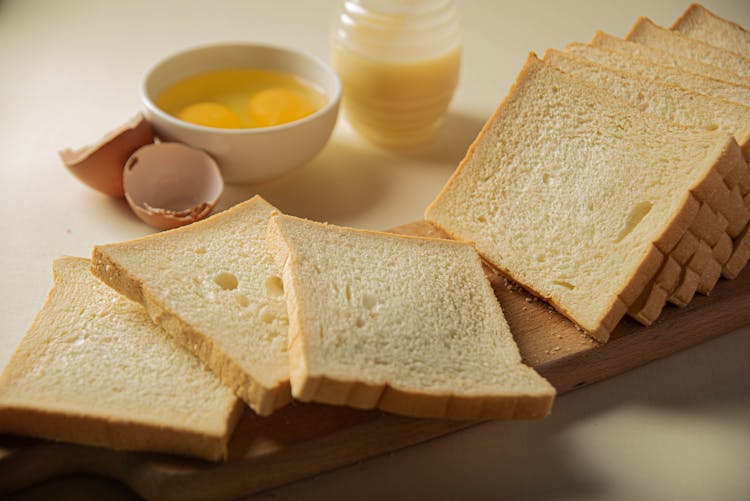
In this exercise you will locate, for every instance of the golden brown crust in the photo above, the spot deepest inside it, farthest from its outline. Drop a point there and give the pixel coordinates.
(418, 403)
(692, 9)
(740, 255)
(709, 278)
(115, 432)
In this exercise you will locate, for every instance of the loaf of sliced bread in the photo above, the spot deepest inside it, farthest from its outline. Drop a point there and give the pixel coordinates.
(644, 68)
(662, 57)
(93, 369)
(404, 324)
(213, 286)
(702, 24)
(575, 195)
(646, 32)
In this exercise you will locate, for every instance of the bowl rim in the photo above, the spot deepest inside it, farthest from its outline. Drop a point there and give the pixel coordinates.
(332, 102)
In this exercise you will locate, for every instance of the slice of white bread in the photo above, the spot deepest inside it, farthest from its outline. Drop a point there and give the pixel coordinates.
(700, 23)
(405, 324)
(213, 286)
(687, 108)
(679, 106)
(662, 57)
(646, 32)
(93, 369)
(575, 195)
(644, 68)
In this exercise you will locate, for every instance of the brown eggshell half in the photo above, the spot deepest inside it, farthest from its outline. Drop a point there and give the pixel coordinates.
(100, 164)
(170, 184)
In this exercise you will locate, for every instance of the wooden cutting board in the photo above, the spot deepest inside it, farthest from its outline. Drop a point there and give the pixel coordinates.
(302, 439)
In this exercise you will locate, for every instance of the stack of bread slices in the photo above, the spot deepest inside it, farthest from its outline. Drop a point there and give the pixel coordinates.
(613, 178)
(251, 305)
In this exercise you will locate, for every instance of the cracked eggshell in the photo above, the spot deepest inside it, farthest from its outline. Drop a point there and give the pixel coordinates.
(100, 165)
(170, 184)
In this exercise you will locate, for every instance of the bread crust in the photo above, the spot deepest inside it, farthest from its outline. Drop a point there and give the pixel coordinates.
(116, 433)
(740, 255)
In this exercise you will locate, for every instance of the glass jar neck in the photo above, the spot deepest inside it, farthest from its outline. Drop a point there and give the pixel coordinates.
(398, 30)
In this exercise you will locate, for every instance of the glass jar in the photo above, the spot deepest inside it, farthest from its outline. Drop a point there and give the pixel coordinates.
(398, 61)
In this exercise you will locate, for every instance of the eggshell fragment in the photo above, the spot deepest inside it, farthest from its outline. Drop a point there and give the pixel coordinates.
(170, 184)
(100, 165)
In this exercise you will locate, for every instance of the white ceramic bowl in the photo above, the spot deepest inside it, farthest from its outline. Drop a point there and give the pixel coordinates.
(247, 155)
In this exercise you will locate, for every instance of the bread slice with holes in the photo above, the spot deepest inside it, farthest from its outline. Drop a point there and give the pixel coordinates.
(575, 195)
(644, 68)
(646, 32)
(408, 325)
(700, 23)
(213, 286)
(93, 369)
(665, 58)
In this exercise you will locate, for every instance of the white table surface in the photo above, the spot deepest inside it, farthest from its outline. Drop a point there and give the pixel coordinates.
(70, 71)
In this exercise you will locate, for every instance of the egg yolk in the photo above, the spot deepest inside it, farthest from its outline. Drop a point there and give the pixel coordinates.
(277, 106)
(210, 115)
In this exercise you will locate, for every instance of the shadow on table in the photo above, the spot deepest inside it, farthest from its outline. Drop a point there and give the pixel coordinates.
(450, 142)
(347, 179)
(341, 183)
(537, 460)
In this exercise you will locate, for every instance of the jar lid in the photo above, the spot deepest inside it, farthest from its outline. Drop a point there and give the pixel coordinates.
(399, 30)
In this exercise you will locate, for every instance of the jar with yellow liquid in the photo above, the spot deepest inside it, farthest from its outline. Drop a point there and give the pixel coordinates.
(398, 61)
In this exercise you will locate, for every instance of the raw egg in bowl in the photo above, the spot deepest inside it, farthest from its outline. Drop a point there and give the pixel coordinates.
(258, 110)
